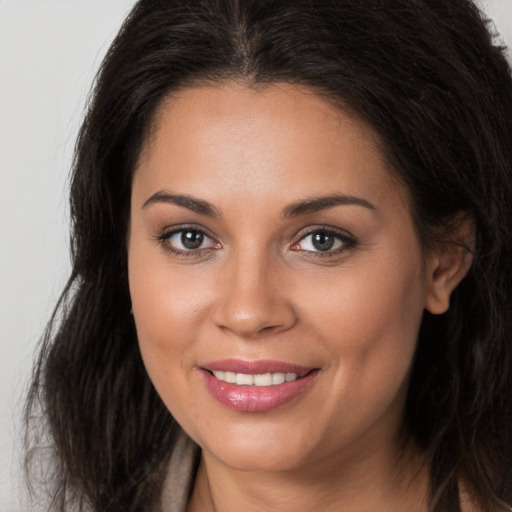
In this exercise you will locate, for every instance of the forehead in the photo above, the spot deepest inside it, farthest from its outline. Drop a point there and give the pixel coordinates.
(281, 139)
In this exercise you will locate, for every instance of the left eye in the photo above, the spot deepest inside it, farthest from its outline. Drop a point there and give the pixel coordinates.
(323, 241)
(186, 240)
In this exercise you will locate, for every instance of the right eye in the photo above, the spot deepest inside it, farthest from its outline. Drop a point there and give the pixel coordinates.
(188, 241)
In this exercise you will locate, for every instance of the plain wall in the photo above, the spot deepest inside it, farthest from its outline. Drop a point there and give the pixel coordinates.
(49, 52)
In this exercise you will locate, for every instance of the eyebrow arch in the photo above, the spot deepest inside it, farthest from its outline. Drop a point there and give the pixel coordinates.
(191, 203)
(316, 204)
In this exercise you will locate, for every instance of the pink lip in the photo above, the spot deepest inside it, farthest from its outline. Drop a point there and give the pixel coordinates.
(256, 398)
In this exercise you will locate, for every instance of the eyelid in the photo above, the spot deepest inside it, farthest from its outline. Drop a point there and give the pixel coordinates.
(167, 231)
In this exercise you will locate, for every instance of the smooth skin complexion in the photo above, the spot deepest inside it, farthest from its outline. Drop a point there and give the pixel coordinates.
(267, 227)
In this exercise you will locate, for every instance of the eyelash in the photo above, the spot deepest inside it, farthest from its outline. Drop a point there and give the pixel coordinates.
(347, 241)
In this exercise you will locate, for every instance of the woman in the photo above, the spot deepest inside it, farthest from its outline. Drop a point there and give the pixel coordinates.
(291, 264)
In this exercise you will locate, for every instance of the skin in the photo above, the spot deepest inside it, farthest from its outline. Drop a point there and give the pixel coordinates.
(259, 289)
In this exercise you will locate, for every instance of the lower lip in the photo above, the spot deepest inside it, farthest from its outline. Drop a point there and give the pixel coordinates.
(256, 398)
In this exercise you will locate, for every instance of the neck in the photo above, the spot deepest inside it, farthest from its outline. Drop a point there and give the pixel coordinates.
(379, 481)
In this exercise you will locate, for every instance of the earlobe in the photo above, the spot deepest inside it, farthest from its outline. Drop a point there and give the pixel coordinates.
(449, 264)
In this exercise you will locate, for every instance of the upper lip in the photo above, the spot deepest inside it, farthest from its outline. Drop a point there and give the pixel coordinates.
(255, 367)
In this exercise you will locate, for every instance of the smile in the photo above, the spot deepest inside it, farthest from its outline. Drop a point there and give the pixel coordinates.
(256, 386)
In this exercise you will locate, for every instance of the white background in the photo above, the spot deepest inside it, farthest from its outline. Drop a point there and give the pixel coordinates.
(49, 52)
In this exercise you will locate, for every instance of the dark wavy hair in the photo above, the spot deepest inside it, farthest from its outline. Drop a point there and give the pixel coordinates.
(427, 76)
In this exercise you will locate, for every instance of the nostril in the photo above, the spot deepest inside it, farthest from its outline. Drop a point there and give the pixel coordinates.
(269, 328)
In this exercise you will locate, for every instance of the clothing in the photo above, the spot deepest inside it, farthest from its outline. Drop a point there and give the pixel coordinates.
(180, 475)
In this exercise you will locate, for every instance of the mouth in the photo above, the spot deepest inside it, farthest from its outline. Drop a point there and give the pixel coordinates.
(256, 386)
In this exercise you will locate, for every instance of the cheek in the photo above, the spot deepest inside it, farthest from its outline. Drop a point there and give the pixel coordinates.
(167, 298)
(167, 323)
(366, 303)
(166, 308)
(368, 320)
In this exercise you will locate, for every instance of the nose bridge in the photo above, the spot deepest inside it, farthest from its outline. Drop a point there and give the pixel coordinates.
(253, 297)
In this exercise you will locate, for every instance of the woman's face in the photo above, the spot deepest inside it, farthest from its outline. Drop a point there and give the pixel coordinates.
(270, 244)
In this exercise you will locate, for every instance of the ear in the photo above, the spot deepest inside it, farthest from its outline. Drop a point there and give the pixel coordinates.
(448, 264)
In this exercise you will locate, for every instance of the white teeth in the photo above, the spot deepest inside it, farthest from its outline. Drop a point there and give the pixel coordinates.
(261, 380)
(229, 377)
(244, 380)
(278, 378)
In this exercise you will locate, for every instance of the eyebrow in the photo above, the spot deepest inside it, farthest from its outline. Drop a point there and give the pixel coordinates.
(305, 206)
(186, 201)
(316, 204)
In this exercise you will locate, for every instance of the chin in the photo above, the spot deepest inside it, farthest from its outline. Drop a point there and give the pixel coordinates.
(250, 460)
(261, 450)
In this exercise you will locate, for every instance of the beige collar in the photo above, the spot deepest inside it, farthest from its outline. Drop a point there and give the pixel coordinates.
(180, 475)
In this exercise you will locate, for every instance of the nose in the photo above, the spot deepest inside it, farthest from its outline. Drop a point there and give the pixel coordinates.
(252, 299)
